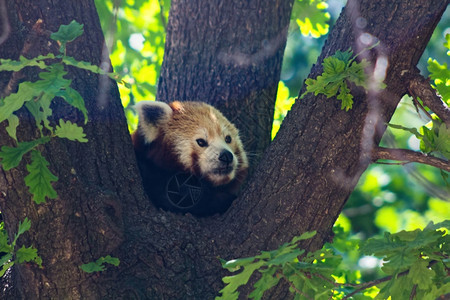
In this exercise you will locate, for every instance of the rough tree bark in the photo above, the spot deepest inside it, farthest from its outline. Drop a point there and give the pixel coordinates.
(228, 54)
(302, 183)
(95, 179)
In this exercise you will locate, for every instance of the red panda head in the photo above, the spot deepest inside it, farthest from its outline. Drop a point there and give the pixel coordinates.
(193, 137)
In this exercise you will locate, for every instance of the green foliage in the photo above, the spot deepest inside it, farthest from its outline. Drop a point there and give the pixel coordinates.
(307, 274)
(337, 71)
(441, 74)
(21, 255)
(99, 264)
(138, 31)
(37, 97)
(282, 106)
(414, 258)
(311, 17)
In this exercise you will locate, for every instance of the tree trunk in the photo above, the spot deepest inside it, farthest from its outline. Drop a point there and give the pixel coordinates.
(228, 55)
(97, 180)
(301, 183)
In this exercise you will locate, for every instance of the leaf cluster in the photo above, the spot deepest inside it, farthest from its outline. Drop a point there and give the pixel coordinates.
(99, 264)
(338, 70)
(12, 256)
(37, 98)
(308, 274)
(434, 137)
(415, 261)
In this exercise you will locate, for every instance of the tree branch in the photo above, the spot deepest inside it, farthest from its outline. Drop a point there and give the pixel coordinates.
(420, 87)
(409, 156)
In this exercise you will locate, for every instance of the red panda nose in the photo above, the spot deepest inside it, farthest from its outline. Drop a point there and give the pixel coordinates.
(226, 156)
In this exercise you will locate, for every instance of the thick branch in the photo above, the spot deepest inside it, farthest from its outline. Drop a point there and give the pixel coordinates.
(409, 156)
(420, 87)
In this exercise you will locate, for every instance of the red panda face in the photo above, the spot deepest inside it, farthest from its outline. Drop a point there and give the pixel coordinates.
(210, 153)
(196, 135)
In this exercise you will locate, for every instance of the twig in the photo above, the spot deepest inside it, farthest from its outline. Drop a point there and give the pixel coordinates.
(413, 292)
(420, 87)
(405, 155)
(161, 13)
(373, 283)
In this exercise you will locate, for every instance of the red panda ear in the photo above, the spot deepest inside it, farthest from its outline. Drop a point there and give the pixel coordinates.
(152, 115)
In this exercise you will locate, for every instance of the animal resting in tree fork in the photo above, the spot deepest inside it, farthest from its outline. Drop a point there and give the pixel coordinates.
(190, 156)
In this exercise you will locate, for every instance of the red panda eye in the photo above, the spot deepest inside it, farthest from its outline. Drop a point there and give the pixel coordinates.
(202, 143)
(228, 139)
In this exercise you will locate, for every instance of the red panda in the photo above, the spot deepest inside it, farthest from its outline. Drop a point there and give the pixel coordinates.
(190, 156)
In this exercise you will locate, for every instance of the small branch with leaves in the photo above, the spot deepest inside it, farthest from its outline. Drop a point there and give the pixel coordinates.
(415, 263)
(37, 98)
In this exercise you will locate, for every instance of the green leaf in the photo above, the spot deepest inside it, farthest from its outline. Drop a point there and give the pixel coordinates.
(28, 255)
(98, 265)
(70, 131)
(39, 178)
(420, 274)
(355, 73)
(267, 281)
(70, 61)
(284, 258)
(345, 56)
(74, 98)
(333, 66)
(441, 76)
(52, 81)
(17, 65)
(23, 227)
(41, 110)
(13, 122)
(442, 140)
(230, 291)
(304, 236)
(15, 101)
(5, 258)
(6, 267)
(109, 260)
(345, 97)
(4, 245)
(68, 33)
(235, 264)
(92, 267)
(11, 156)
